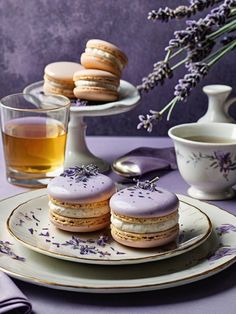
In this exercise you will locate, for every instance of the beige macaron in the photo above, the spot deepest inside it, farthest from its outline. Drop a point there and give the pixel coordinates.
(96, 85)
(102, 55)
(58, 78)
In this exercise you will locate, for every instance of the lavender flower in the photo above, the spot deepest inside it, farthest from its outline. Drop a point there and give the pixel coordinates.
(81, 173)
(79, 103)
(102, 240)
(74, 242)
(147, 122)
(197, 31)
(147, 185)
(200, 5)
(200, 51)
(190, 80)
(198, 40)
(164, 15)
(161, 71)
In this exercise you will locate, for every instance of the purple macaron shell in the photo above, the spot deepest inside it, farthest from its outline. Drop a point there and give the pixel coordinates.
(97, 188)
(137, 202)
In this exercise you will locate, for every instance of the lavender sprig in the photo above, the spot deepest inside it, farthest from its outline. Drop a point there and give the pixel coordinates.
(190, 80)
(161, 71)
(200, 51)
(167, 14)
(149, 185)
(197, 31)
(81, 173)
(147, 121)
(197, 40)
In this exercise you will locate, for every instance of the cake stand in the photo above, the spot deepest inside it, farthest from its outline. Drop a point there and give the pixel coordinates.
(77, 152)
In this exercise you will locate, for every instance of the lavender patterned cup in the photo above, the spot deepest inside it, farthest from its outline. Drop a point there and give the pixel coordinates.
(206, 158)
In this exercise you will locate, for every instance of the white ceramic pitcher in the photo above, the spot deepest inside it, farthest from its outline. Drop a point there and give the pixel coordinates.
(218, 104)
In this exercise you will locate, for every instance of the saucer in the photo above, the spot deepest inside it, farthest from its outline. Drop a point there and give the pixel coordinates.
(29, 223)
(214, 255)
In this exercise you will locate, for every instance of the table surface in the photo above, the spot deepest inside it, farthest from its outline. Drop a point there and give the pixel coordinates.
(212, 295)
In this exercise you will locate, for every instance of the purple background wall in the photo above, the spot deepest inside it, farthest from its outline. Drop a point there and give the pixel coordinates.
(34, 33)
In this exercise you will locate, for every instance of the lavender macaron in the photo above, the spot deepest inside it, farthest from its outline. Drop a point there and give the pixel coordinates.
(79, 199)
(144, 216)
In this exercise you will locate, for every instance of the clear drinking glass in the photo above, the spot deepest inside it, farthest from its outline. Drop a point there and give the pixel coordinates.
(34, 130)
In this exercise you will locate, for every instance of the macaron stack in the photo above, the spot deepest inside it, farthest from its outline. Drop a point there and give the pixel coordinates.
(103, 63)
(144, 216)
(58, 78)
(79, 199)
(102, 55)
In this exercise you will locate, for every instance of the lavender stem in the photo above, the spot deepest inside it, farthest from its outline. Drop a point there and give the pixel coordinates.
(223, 29)
(177, 52)
(167, 57)
(171, 108)
(216, 53)
(226, 28)
(228, 48)
(179, 64)
(174, 100)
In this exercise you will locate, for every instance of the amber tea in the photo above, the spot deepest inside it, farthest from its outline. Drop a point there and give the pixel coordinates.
(34, 145)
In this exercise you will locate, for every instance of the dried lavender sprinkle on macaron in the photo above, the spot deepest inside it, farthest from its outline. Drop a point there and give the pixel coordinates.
(81, 173)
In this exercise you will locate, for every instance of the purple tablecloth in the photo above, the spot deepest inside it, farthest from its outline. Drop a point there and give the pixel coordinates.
(216, 294)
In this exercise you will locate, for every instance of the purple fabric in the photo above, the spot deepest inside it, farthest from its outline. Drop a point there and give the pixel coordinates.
(148, 159)
(11, 298)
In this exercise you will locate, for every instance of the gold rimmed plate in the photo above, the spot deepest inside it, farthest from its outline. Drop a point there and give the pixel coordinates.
(29, 223)
(214, 255)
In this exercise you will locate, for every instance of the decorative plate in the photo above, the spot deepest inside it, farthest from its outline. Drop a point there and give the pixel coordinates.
(215, 254)
(29, 223)
(128, 99)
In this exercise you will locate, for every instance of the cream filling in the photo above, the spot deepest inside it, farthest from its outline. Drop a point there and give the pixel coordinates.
(143, 228)
(84, 83)
(59, 85)
(79, 213)
(106, 55)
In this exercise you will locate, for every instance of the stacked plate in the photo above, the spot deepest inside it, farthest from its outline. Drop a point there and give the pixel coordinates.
(33, 250)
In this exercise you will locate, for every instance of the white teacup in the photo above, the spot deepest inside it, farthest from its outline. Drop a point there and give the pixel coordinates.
(206, 157)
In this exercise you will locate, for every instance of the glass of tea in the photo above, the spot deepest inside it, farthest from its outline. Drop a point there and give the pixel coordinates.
(34, 130)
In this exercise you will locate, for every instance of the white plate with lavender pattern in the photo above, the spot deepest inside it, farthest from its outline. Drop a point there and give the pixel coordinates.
(29, 223)
(212, 256)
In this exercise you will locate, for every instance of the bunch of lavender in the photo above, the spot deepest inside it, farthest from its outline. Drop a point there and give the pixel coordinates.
(197, 41)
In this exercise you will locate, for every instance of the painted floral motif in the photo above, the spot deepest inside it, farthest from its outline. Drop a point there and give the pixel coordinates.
(5, 248)
(224, 161)
(222, 252)
(225, 228)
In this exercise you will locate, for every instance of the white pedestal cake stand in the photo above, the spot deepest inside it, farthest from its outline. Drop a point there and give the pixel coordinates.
(77, 152)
